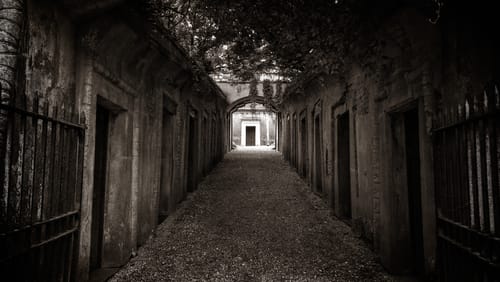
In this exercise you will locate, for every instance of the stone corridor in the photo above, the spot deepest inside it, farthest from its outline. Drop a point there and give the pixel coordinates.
(253, 219)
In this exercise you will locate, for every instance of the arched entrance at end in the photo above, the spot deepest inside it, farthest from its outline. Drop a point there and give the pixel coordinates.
(247, 100)
(252, 126)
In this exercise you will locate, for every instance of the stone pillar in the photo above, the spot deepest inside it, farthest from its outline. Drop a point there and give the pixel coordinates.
(267, 129)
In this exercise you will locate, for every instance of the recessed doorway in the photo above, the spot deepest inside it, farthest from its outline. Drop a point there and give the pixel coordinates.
(318, 168)
(167, 165)
(193, 143)
(250, 133)
(99, 192)
(344, 167)
(250, 136)
(303, 146)
(412, 145)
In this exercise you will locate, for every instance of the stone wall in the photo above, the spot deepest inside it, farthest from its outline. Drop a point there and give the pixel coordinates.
(409, 64)
(115, 60)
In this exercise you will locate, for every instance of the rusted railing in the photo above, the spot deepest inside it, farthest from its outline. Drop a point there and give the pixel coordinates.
(466, 156)
(40, 191)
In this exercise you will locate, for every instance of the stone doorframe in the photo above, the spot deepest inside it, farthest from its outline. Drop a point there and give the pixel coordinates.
(244, 125)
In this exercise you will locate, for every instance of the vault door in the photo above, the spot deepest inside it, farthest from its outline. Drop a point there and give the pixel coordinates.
(344, 171)
(294, 142)
(98, 197)
(318, 177)
(414, 188)
(303, 150)
(288, 138)
(166, 164)
(205, 150)
(250, 135)
(192, 154)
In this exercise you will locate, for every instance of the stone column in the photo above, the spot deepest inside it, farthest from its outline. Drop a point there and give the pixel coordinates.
(267, 129)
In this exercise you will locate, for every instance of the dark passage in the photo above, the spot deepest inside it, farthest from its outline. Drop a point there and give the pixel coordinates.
(318, 179)
(250, 136)
(303, 147)
(167, 166)
(344, 166)
(253, 219)
(192, 154)
(98, 198)
(414, 188)
(205, 150)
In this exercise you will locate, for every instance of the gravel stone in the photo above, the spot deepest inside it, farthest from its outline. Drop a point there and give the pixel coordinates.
(253, 219)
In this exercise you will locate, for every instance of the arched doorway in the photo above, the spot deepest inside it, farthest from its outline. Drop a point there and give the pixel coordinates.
(252, 124)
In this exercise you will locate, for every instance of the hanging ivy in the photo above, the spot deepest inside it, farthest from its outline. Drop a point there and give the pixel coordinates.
(278, 97)
(268, 92)
(253, 92)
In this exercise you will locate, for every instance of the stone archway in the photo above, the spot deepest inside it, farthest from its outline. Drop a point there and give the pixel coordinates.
(246, 100)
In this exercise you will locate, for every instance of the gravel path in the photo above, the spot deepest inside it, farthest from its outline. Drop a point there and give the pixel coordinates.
(253, 219)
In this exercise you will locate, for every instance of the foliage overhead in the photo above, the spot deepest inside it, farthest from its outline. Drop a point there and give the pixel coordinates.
(286, 38)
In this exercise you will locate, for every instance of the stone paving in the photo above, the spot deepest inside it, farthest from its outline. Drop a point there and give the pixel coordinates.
(253, 219)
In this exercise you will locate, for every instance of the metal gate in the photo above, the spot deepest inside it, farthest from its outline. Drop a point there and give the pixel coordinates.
(40, 192)
(466, 156)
